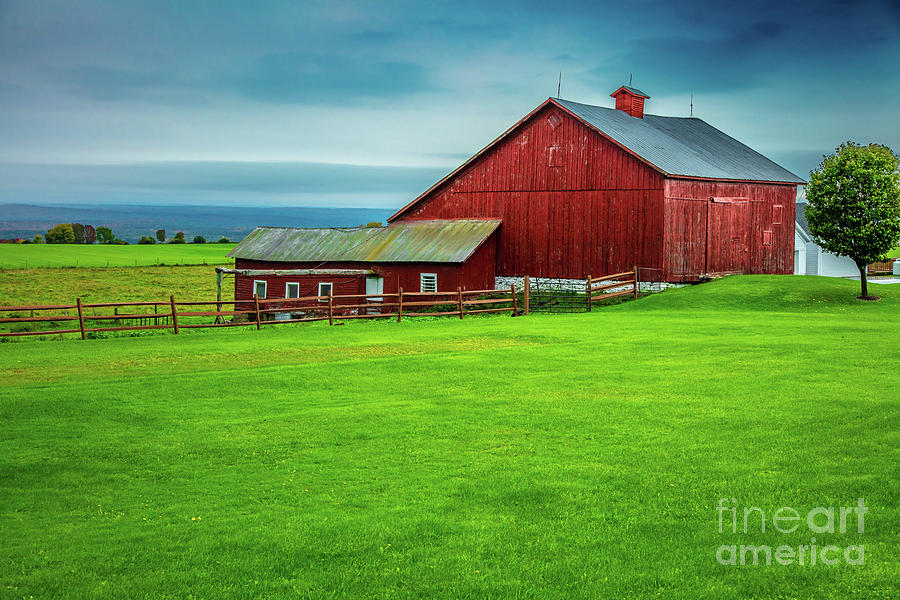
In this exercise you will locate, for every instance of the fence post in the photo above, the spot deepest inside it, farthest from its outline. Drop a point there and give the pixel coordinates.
(512, 290)
(219, 318)
(635, 282)
(400, 305)
(527, 293)
(256, 305)
(174, 313)
(588, 290)
(330, 308)
(459, 295)
(80, 318)
(155, 311)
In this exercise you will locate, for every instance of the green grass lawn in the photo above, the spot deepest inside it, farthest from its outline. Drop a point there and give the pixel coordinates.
(894, 253)
(58, 286)
(21, 256)
(552, 456)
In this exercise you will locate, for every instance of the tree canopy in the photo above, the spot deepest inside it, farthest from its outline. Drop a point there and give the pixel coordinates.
(854, 204)
(61, 234)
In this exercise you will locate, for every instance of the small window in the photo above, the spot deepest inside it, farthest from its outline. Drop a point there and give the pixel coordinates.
(427, 282)
(292, 290)
(259, 288)
(325, 289)
(767, 237)
(777, 212)
(554, 120)
(556, 156)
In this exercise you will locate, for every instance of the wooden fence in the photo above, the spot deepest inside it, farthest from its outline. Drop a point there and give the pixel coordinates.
(177, 315)
(597, 286)
(882, 268)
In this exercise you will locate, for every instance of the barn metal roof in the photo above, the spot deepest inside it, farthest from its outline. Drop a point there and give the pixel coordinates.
(681, 146)
(440, 241)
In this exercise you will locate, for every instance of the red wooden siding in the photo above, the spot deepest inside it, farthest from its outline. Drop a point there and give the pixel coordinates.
(572, 202)
(477, 273)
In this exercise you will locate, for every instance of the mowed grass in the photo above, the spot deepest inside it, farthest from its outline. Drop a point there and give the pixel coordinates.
(22, 256)
(552, 456)
(62, 286)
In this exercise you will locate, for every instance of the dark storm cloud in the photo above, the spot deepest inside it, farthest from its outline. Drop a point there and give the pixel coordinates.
(894, 7)
(726, 62)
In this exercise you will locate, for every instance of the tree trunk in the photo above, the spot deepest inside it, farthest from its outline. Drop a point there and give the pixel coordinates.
(863, 279)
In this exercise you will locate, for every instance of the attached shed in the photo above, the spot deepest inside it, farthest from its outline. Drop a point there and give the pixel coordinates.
(584, 189)
(418, 256)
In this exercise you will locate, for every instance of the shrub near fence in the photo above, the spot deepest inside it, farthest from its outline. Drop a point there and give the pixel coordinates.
(176, 315)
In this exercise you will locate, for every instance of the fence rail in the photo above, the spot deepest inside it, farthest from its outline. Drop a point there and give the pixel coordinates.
(261, 312)
(617, 280)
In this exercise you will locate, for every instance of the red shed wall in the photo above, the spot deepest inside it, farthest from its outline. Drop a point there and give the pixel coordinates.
(477, 273)
(572, 202)
(705, 237)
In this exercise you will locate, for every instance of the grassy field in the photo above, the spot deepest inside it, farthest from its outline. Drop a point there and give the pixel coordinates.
(21, 256)
(537, 457)
(58, 286)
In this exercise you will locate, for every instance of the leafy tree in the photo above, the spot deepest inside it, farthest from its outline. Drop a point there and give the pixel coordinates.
(854, 204)
(105, 235)
(199, 239)
(223, 240)
(78, 230)
(160, 235)
(90, 234)
(146, 239)
(61, 234)
(178, 239)
(38, 239)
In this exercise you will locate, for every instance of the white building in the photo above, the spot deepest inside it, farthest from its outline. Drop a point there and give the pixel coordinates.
(810, 259)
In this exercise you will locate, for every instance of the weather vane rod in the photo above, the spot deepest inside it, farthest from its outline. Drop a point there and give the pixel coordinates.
(559, 84)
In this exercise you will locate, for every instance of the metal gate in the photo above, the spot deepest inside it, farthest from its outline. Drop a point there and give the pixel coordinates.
(557, 295)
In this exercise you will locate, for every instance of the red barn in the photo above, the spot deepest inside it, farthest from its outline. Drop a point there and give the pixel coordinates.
(583, 189)
(418, 256)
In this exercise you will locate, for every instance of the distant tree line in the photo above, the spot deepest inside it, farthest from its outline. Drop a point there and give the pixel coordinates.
(76, 233)
(178, 239)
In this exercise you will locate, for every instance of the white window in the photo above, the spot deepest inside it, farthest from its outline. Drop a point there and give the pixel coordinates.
(259, 288)
(325, 289)
(292, 290)
(427, 282)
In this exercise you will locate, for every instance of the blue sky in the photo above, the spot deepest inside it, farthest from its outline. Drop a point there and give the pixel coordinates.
(368, 103)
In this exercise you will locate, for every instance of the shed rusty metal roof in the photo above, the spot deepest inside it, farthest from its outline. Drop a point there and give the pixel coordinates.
(438, 241)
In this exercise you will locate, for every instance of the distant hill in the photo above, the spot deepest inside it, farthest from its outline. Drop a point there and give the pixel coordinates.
(212, 222)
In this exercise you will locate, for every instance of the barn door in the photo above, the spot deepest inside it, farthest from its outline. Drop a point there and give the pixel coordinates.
(727, 236)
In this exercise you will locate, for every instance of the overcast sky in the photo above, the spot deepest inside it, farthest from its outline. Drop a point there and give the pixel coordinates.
(238, 102)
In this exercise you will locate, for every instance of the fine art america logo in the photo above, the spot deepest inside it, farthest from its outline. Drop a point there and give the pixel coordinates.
(786, 520)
